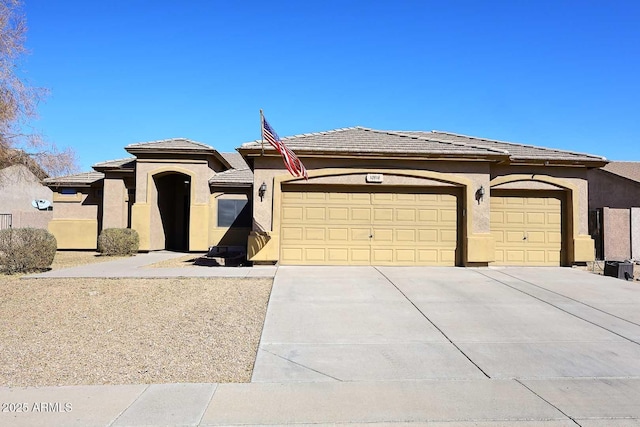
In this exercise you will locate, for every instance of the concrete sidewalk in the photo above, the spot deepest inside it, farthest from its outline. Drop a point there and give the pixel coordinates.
(138, 266)
(559, 402)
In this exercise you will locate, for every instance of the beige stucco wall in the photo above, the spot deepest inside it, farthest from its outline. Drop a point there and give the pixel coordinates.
(75, 219)
(18, 188)
(114, 202)
(146, 214)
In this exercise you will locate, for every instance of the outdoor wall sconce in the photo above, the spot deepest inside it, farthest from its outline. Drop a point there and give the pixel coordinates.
(480, 194)
(262, 190)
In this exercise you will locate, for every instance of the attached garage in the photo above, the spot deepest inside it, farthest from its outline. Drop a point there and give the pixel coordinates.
(527, 227)
(361, 226)
(380, 197)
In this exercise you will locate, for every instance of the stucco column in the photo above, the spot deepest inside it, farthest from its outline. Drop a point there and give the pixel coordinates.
(114, 202)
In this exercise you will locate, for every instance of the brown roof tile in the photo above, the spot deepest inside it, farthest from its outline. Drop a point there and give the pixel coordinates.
(235, 160)
(127, 164)
(434, 143)
(176, 145)
(519, 151)
(170, 144)
(364, 140)
(233, 178)
(80, 179)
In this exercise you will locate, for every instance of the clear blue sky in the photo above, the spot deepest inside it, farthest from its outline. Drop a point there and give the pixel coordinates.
(561, 74)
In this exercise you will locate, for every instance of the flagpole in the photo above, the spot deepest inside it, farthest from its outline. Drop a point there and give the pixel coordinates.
(262, 131)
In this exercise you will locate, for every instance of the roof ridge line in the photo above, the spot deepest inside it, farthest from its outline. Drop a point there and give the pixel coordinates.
(520, 144)
(181, 138)
(300, 135)
(325, 132)
(115, 160)
(456, 143)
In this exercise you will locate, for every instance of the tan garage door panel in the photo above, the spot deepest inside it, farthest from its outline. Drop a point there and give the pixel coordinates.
(527, 228)
(363, 228)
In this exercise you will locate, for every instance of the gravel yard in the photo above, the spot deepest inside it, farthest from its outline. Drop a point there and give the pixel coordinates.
(129, 331)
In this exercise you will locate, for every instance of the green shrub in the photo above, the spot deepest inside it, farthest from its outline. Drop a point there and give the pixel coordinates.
(118, 241)
(23, 250)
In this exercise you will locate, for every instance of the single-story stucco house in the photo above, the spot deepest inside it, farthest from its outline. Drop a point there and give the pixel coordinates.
(372, 198)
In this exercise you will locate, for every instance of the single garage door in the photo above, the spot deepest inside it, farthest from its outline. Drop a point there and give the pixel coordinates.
(527, 227)
(364, 227)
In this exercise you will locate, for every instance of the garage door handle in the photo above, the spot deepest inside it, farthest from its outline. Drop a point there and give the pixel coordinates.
(370, 236)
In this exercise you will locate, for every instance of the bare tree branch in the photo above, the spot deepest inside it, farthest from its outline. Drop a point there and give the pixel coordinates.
(19, 100)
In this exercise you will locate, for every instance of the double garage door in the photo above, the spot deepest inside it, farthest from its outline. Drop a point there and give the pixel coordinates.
(364, 227)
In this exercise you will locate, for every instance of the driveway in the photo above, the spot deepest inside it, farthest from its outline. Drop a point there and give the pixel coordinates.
(394, 323)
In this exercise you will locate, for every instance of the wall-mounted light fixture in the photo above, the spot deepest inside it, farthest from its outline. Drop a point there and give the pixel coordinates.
(262, 190)
(480, 194)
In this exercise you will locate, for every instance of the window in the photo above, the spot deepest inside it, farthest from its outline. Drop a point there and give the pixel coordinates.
(233, 213)
(68, 191)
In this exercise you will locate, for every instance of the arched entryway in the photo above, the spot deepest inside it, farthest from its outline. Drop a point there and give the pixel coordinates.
(174, 204)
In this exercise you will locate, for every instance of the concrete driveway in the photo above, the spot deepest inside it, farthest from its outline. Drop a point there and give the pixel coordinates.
(393, 323)
(405, 346)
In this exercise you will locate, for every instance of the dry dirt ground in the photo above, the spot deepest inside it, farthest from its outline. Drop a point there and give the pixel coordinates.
(129, 331)
(66, 259)
(183, 261)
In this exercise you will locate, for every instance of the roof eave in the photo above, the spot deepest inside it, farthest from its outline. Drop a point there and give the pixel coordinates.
(72, 184)
(595, 163)
(142, 150)
(113, 169)
(231, 184)
(254, 152)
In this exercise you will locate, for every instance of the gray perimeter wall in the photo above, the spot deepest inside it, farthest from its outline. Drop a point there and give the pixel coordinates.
(617, 233)
(635, 233)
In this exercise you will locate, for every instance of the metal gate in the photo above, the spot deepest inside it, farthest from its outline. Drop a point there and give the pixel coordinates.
(5, 221)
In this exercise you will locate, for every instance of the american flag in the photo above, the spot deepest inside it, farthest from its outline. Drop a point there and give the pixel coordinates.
(291, 161)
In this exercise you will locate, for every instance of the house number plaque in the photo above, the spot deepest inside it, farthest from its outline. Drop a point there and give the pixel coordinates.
(374, 177)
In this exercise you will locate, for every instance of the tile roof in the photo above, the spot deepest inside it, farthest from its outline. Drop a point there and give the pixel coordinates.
(127, 163)
(85, 178)
(519, 151)
(434, 143)
(233, 177)
(170, 144)
(176, 145)
(236, 160)
(364, 140)
(629, 170)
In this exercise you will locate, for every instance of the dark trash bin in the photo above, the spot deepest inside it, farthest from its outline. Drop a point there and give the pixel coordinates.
(620, 269)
